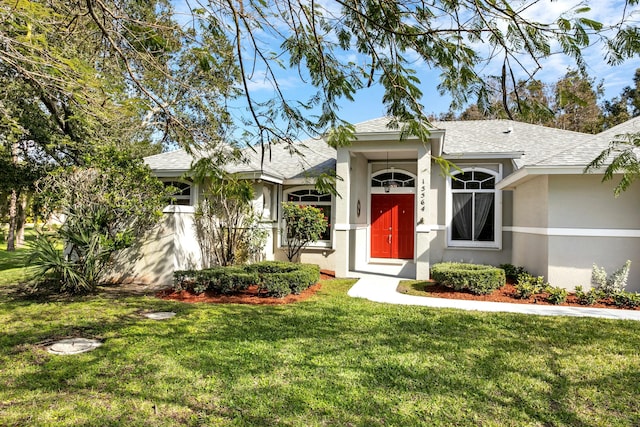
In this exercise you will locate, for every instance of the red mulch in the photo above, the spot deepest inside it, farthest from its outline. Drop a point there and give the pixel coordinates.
(250, 296)
(506, 294)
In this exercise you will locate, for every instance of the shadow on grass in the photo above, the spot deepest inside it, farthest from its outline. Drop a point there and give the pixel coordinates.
(331, 360)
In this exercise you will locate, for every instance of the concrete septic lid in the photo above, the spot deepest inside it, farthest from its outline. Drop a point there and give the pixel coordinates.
(160, 315)
(74, 346)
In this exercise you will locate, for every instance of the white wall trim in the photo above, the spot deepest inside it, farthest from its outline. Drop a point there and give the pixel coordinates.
(575, 232)
(347, 227)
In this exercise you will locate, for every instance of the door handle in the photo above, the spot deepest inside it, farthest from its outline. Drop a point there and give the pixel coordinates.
(389, 238)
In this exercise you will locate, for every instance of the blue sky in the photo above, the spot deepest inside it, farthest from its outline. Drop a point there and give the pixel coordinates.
(368, 101)
(368, 105)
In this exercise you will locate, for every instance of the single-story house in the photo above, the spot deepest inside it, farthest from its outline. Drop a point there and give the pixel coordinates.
(519, 195)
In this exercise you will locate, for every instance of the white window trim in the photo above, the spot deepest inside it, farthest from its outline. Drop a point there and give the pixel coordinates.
(192, 189)
(393, 190)
(497, 243)
(320, 244)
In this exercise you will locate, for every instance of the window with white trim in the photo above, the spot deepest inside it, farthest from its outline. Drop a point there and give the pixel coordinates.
(182, 196)
(475, 216)
(392, 179)
(311, 197)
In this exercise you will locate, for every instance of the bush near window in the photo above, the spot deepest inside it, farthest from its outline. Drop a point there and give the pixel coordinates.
(304, 224)
(277, 279)
(476, 278)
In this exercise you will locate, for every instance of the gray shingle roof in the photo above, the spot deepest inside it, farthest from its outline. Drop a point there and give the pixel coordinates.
(305, 158)
(496, 136)
(178, 160)
(542, 146)
(583, 152)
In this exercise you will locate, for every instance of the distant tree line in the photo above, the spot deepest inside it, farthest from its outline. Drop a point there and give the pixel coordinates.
(573, 103)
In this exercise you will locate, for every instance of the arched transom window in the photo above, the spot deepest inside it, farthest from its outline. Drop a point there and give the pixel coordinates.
(474, 217)
(393, 179)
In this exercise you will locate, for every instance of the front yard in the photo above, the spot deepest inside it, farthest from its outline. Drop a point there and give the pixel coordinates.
(330, 360)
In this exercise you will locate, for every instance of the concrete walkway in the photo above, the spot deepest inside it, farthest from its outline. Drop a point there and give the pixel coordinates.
(383, 289)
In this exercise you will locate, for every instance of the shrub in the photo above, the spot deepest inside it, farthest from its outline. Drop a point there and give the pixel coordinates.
(222, 280)
(272, 277)
(613, 284)
(272, 267)
(304, 224)
(627, 299)
(296, 277)
(588, 298)
(557, 295)
(512, 272)
(478, 279)
(529, 285)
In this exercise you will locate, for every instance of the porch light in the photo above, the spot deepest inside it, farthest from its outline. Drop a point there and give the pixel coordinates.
(389, 184)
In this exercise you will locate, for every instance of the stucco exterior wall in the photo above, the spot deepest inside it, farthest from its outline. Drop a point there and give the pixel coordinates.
(588, 225)
(171, 245)
(563, 224)
(571, 259)
(530, 209)
(583, 201)
(439, 249)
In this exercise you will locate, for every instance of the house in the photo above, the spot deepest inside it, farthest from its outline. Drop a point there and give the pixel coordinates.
(518, 195)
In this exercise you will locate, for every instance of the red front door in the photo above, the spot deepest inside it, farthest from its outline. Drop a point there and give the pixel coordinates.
(392, 226)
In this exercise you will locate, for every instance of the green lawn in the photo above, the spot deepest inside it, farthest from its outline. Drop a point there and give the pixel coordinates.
(329, 361)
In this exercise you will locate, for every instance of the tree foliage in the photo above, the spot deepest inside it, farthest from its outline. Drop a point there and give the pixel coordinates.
(227, 226)
(621, 156)
(304, 224)
(105, 206)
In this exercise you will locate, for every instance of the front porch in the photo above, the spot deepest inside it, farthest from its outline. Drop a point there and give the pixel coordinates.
(382, 210)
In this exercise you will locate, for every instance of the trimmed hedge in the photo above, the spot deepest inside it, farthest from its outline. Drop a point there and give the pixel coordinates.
(476, 278)
(222, 280)
(289, 282)
(274, 278)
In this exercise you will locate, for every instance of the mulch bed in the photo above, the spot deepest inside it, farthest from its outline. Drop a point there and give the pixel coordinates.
(507, 294)
(250, 296)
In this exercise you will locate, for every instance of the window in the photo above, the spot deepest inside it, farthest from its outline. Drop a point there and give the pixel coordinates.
(312, 197)
(183, 194)
(474, 216)
(393, 179)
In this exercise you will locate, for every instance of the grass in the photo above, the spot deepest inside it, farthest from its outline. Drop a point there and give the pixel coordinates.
(331, 360)
(12, 264)
(419, 288)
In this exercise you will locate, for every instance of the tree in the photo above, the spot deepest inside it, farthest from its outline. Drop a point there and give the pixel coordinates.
(177, 72)
(576, 104)
(626, 106)
(304, 224)
(227, 226)
(620, 157)
(107, 205)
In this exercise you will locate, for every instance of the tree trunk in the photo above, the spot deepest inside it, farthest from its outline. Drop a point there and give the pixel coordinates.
(13, 208)
(22, 219)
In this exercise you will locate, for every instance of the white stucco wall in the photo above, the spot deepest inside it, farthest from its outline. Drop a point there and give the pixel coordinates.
(588, 225)
(530, 210)
(171, 245)
(563, 224)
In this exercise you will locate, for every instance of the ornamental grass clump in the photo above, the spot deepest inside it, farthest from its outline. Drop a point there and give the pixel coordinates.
(475, 278)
